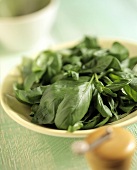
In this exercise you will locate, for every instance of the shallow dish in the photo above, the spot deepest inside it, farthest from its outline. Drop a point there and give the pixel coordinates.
(20, 112)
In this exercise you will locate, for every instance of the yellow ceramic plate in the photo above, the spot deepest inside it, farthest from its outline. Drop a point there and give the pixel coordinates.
(20, 112)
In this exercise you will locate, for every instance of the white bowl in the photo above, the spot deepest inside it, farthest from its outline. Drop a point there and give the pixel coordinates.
(25, 31)
(20, 112)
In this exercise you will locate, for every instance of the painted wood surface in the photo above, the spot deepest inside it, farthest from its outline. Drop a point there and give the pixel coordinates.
(22, 149)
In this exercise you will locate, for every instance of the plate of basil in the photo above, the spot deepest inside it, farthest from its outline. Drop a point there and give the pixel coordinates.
(73, 89)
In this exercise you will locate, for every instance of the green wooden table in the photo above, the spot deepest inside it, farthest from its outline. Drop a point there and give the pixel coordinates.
(22, 149)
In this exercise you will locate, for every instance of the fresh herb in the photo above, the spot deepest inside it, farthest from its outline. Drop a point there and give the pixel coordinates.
(81, 87)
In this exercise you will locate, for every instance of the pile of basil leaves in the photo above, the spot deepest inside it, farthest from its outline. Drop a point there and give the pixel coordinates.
(81, 87)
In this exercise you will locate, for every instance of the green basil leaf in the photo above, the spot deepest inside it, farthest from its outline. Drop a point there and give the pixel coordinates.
(118, 85)
(101, 107)
(70, 67)
(75, 75)
(99, 86)
(25, 67)
(75, 60)
(107, 80)
(52, 97)
(132, 62)
(91, 123)
(128, 108)
(103, 122)
(75, 127)
(113, 119)
(55, 66)
(131, 92)
(42, 61)
(34, 108)
(102, 63)
(72, 74)
(115, 64)
(133, 84)
(121, 75)
(119, 51)
(101, 53)
(90, 42)
(87, 55)
(109, 92)
(46, 61)
(113, 106)
(57, 77)
(31, 79)
(29, 96)
(74, 106)
(114, 76)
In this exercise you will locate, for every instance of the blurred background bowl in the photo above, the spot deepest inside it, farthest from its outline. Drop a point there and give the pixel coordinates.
(24, 23)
